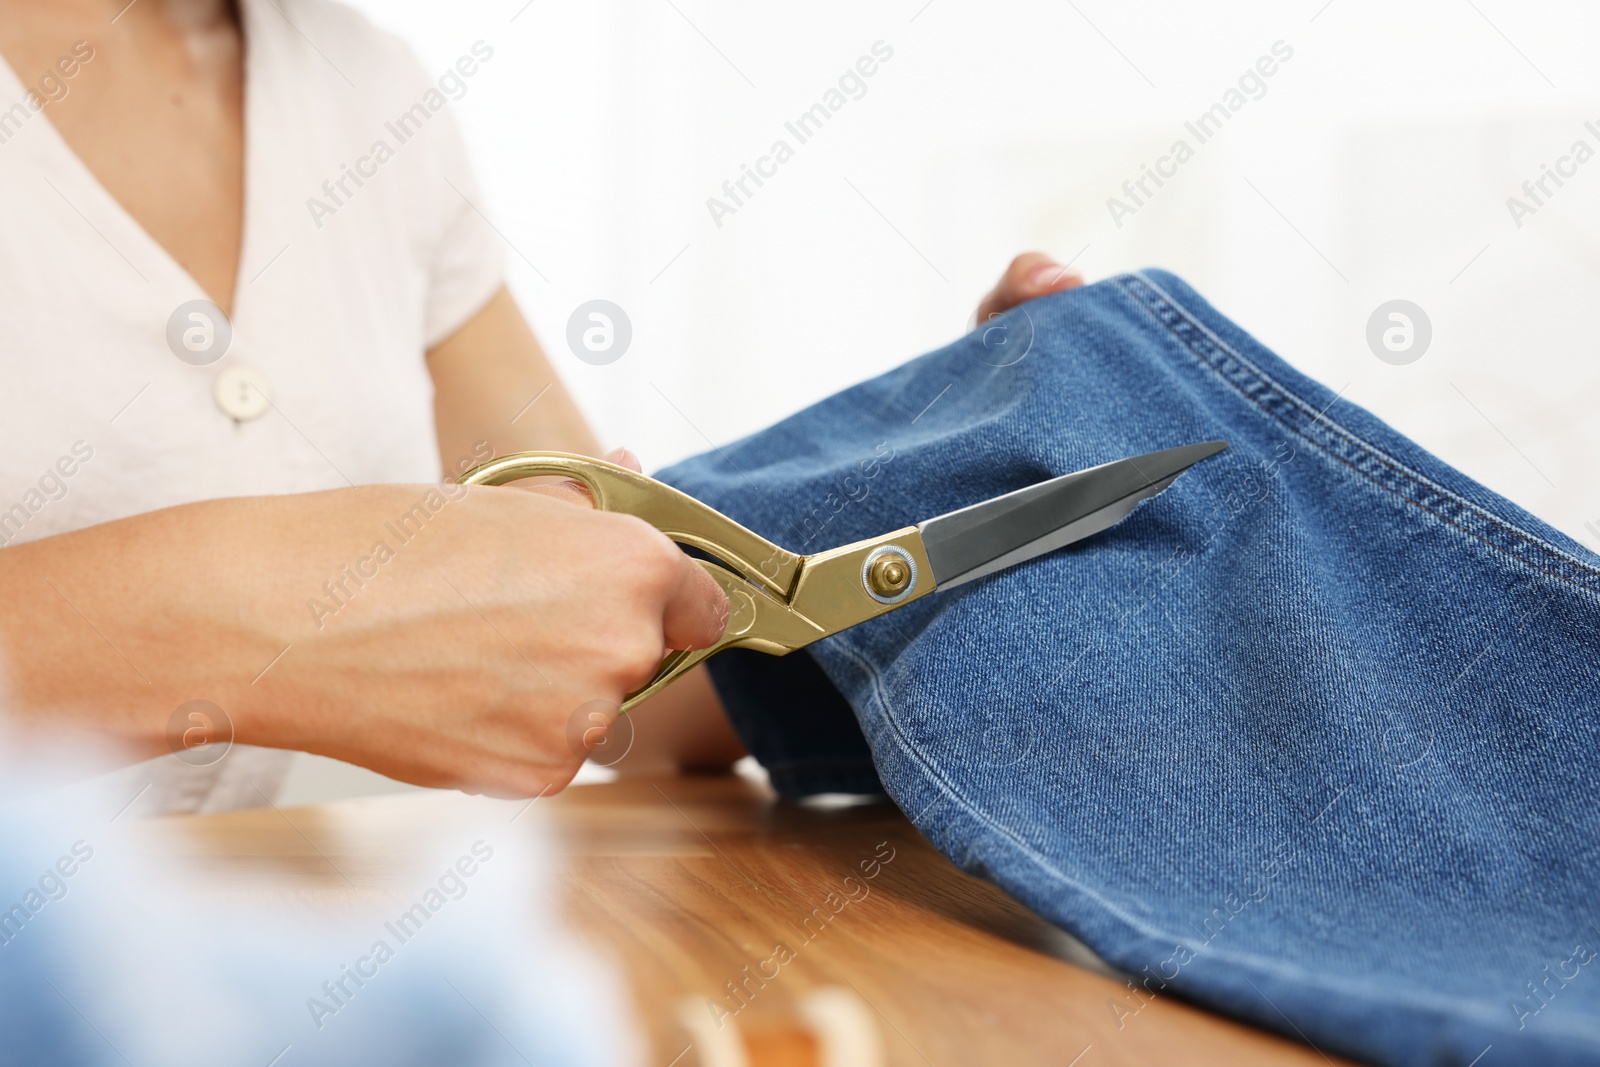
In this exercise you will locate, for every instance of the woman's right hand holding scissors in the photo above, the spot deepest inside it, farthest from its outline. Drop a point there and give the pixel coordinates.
(441, 635)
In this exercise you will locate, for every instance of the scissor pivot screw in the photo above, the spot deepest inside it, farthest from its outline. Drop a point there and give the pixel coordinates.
(889, 574)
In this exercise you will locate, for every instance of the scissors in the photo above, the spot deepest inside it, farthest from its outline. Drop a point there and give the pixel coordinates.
(780, 601)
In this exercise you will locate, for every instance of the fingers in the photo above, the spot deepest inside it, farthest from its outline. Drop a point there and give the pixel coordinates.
(1031, 275)
(576, 492)
(697, 608)
(568, 492)
(622, 457)
(697, 611)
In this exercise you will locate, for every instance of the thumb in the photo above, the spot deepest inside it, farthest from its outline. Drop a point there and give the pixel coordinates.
(697, 612)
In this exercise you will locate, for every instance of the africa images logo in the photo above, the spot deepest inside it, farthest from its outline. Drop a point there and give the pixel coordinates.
(449, 86)
(803, 128)
(451, 885)
(1251, 85)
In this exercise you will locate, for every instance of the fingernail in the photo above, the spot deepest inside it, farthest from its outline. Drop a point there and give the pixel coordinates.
(622, 457)
(1046, 276)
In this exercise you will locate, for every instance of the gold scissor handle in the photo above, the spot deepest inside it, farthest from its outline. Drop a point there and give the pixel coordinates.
(758, 584)
(678, 515)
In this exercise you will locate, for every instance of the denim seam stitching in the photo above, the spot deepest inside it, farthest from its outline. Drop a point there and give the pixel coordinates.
(1358, 444)
(1363, 449)
(1481, 1010)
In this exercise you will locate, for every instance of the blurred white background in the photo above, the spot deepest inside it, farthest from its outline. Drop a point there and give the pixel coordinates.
(1376, 166)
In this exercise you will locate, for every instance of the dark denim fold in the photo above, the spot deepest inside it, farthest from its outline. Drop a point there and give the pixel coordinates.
(1310, 738)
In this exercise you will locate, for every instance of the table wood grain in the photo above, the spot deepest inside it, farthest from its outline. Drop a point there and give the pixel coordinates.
(693, 884)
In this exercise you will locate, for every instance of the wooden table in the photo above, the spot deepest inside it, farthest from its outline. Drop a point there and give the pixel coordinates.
(688, 881)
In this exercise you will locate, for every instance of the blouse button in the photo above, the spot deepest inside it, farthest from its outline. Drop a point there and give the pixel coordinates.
(243, 393)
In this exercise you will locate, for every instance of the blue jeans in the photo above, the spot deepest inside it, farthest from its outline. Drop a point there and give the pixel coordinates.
(1310, 738)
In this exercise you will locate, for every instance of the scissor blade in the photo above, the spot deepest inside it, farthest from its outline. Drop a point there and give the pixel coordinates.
(981, 539)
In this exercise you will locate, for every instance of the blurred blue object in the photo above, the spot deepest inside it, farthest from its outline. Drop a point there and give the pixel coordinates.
(107, 958)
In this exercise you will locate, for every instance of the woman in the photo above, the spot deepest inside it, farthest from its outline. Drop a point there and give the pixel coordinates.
(240, 338)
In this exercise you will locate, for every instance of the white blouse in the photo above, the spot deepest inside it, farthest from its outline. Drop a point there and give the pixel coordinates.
(355, 261)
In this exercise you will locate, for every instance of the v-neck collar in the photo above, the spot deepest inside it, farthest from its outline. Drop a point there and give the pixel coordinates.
(95, 201)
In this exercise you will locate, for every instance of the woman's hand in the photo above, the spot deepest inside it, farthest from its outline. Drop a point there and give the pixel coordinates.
(442, 635)
(681, 728)
(1032, 274)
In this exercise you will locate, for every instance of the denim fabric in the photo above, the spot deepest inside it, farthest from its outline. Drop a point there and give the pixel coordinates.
(1309, 738)
(827, 755)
